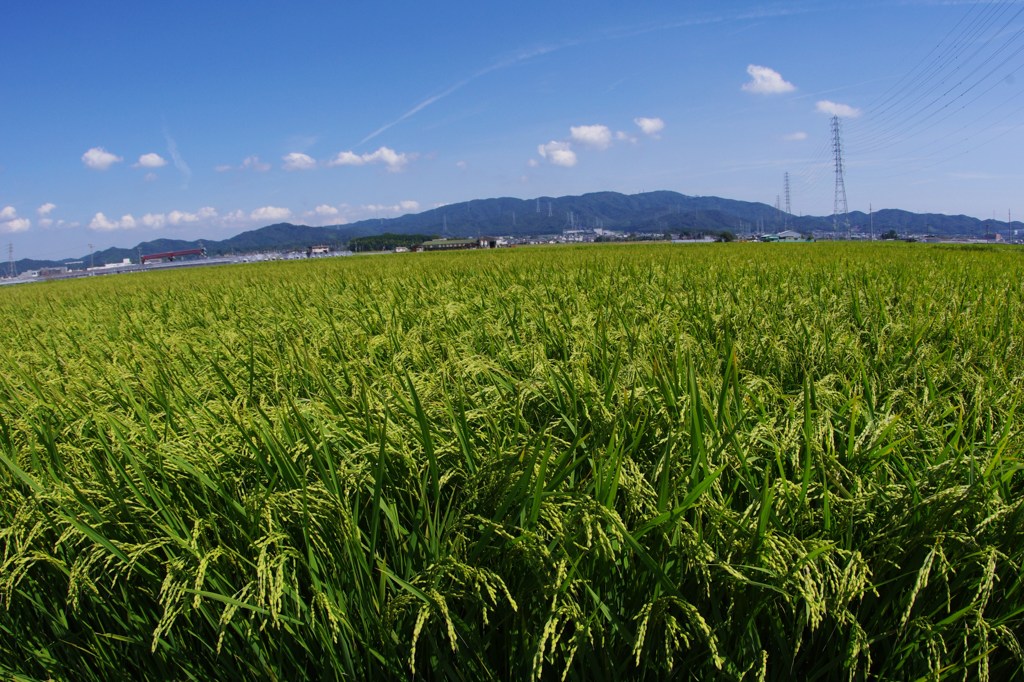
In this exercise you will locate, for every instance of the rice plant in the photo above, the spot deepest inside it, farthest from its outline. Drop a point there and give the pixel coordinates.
(729, 462)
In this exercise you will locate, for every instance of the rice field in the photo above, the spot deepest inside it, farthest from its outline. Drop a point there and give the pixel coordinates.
(735, 462)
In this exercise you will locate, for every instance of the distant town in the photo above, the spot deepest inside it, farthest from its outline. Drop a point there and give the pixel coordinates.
(398, 244)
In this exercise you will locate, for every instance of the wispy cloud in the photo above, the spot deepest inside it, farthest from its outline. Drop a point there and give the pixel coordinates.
(518, 58)
(528, 54)
(179, 162)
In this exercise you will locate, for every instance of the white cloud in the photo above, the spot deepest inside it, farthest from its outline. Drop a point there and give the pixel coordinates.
(835, 109)
(765, 81)
(101, 223)
(533, 163)
(151, 160)
(99, 158)
(16, 225)
(649, 126)
(402, 207)
(154, 220)
(798, 136)
(394, 161)
(597, 136)
(46, 209)
(461, 165)
(45, 222)
(270, 213)
(10, 222)
(255, 164)
(344, 213)
(558, 153)
(298, 161)
(389, 157)
(248, 163)
(347, 159)
(181, 217)
(625, 137)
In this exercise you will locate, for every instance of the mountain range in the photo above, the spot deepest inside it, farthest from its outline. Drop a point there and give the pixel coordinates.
(658, 212)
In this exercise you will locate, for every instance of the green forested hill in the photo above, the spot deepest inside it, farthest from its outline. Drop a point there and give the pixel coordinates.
(661, 211)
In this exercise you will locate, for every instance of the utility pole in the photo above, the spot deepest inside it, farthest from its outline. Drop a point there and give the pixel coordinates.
(10, 258)
(92, 257)
(871, 221)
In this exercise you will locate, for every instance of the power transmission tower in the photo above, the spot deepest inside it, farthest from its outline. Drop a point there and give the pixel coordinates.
(789, 206)
(840, 207)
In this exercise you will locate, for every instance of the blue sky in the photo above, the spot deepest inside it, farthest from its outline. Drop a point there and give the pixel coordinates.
(126, 121)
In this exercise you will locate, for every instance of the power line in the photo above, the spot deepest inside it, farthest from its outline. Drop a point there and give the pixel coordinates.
(940, 69)
(942, 102)
(964, 62)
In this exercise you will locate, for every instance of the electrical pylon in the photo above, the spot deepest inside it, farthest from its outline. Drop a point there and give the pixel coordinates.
(789, 206)
(840, 207)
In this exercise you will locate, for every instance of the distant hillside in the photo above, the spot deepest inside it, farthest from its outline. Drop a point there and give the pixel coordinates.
(661, 211)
